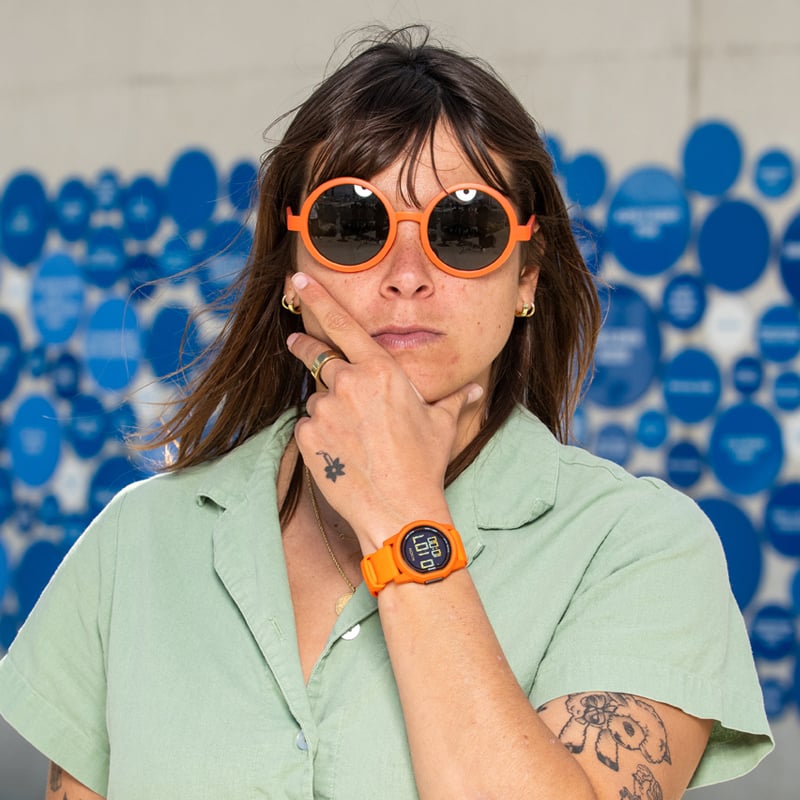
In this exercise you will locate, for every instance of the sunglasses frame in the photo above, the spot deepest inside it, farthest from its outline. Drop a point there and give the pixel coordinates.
(517, 232)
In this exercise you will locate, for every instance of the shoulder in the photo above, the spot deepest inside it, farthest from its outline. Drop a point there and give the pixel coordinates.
(524, 459)
(625, 497)
(173, 500)
(221, 477)
(576, 505)
(638, 518)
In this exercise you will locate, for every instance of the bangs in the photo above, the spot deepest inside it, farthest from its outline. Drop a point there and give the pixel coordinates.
(383, 108)
(398, 124)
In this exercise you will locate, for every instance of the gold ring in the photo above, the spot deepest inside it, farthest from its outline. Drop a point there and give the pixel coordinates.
(320, 361)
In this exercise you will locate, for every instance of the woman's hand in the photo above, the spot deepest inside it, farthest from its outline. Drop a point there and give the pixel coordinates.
(376, 449)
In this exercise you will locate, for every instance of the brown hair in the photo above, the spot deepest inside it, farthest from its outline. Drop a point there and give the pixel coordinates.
(383, 104)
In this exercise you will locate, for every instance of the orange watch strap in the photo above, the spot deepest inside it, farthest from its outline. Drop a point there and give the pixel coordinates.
(382, 567)
(379, 568)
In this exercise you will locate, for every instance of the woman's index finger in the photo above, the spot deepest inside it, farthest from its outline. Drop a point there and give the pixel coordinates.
(337, 324)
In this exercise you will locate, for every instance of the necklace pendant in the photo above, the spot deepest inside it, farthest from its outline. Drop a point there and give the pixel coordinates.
(342, 601)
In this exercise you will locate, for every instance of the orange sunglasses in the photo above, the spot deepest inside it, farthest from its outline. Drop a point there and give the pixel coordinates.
(467, 230)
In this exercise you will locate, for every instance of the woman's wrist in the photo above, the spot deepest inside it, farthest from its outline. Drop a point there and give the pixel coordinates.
(375, 530)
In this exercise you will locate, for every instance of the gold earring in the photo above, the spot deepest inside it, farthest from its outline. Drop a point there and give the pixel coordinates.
(527, 310)
(290, 306)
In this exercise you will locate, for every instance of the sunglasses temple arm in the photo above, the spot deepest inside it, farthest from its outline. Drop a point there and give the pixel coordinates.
(523, 233)
(292, 222)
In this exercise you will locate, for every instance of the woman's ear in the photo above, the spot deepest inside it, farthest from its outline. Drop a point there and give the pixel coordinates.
(528, 281)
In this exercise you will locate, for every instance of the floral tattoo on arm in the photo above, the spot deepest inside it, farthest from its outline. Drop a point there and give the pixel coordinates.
(55, 777)
(608, 721)
(645, 786)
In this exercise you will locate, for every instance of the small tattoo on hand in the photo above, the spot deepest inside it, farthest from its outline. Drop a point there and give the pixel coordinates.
(333, 467)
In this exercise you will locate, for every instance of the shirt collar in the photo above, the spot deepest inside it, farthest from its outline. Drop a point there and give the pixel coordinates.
(256, 459)
(511, 482)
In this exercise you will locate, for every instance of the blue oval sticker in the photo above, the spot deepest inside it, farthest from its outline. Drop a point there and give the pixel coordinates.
(648, 222)
(87, 429)
(33, 572)
(651, 432)
(684, 464)
(772, 633)
(684, 301)
(113, 344)
(782, 519)
(6, 497)
(712, 158)
(57, 298)
(107, 191)
(790, 258)
(746, 451)
(243, 185)
(628, 349)
(586, 179)
(692, 385)
(73, 208)
(741, 545)
(143, 208)
(35, 441)
(171, 344)
(224, 255)
(614, 443)
(66, 375)
(24, 218)
(774, 173)
(590, 242)
(779, 333)
(11, 356)
(786, 391)
(748, 373)
(192, 189)
(733, 245)
(105, 257)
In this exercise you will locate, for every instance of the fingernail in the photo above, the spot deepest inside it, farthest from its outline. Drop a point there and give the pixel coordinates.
(300, 280)
(292, 338)
(475, 393)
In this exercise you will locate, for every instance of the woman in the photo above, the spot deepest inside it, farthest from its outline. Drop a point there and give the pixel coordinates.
(545, 627)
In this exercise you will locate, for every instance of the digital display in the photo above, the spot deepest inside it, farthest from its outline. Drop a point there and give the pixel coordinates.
(426, 549)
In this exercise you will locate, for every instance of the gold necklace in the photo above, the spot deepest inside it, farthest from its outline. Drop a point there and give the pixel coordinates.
(343, 599)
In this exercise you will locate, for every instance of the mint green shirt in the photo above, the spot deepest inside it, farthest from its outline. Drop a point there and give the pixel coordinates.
(161, 661)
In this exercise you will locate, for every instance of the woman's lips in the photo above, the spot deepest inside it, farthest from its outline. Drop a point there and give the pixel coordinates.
(405, 338)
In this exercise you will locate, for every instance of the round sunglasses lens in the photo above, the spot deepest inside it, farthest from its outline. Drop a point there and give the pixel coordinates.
(468, 229)
(348, 224)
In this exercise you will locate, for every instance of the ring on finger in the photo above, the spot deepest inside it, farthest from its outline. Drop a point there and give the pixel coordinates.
(320, 361)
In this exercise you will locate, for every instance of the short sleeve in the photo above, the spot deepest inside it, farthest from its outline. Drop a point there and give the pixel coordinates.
(654, 616)
(53, 678)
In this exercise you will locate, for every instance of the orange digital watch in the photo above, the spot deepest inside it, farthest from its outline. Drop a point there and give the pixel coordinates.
(422, 552)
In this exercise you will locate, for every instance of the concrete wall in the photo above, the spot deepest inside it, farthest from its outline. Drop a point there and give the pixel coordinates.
(92, 84)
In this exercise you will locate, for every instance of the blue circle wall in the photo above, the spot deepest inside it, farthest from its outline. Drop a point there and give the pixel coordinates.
(98, 277)
(697, 368)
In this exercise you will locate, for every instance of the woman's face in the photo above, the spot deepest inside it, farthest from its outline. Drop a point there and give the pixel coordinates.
(444, 331)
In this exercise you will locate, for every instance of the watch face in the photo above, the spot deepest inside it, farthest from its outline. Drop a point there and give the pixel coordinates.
(425, 549)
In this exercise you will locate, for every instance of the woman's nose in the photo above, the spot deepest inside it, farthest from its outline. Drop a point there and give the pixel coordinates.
(409, 270)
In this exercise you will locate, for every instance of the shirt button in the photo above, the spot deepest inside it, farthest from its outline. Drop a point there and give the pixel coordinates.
(300, 741)
(352, 633)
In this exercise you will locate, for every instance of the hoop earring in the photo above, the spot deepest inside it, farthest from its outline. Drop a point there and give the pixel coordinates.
(527, 310)
(290, 306)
